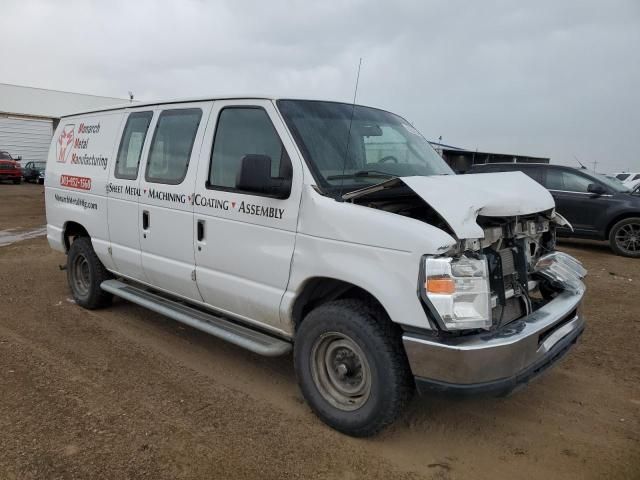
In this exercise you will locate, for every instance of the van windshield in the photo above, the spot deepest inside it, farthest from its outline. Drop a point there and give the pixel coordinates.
(345, 154)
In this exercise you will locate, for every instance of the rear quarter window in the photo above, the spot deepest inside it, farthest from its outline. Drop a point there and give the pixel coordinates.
(133, 136)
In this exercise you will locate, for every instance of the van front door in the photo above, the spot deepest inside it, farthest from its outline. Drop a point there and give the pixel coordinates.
(245, 240)
(165, 210)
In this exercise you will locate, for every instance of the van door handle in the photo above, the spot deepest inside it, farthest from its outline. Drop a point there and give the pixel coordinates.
(145, 220)
(200, 229)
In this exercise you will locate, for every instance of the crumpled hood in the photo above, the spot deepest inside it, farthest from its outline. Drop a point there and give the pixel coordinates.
(459, 199)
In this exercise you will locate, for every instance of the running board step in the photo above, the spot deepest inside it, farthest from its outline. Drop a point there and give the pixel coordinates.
(253, 340)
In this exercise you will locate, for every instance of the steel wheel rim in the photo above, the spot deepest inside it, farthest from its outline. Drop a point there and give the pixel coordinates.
(628, 238)
(340, 371)
(81, 275)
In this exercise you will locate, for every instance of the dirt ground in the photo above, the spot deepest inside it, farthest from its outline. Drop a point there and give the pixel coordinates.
(124, 393)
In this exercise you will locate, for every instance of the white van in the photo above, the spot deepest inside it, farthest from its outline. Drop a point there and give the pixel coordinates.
(329, 229)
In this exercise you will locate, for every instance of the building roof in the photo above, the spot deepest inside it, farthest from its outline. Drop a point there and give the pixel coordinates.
(483, 153)
(40, 102)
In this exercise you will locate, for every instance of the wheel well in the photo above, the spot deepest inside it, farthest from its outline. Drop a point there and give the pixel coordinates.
(617, 219)
(322, 290)
(73, 230)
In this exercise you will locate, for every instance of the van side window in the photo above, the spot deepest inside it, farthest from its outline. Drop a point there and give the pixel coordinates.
(135, 131)
(172, 144)
(244, 131)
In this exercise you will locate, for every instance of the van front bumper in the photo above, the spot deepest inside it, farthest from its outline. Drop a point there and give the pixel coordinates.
(499, 361)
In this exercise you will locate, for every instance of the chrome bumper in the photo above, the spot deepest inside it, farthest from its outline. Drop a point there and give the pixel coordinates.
(501, 360)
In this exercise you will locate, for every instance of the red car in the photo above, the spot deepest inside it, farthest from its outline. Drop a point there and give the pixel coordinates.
(9, 168)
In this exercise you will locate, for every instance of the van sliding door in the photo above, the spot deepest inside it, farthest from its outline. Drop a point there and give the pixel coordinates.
(165, 210)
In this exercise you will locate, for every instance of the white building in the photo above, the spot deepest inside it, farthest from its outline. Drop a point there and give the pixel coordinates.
(28, 117)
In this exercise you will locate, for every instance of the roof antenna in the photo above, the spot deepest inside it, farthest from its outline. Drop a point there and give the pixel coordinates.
(581, 165)
(353, 109)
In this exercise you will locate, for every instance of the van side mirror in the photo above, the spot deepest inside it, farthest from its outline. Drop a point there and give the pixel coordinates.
(255, 176)
(596, 189)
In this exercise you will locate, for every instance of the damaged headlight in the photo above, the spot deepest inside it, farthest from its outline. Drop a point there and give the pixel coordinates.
(562, 269)
(458, 288)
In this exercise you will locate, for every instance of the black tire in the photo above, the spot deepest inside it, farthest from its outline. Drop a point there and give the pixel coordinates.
(379, 340)
(17, 181)
(85, 273)
(624, 237)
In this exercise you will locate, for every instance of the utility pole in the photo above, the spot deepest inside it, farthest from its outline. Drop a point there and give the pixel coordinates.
(595, 162)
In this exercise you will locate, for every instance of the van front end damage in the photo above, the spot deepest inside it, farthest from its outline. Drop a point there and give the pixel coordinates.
(494, 343)
(503, 358)
(501, 287)
(502, 303)
(511, 309)
(497, 361)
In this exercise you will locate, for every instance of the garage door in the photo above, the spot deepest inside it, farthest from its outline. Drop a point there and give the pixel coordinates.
(26, 137)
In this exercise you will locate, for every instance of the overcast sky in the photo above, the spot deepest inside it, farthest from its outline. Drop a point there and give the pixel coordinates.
(550, 78)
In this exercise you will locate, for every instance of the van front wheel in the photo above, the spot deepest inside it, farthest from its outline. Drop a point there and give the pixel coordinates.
(351, 367)
(85, 273)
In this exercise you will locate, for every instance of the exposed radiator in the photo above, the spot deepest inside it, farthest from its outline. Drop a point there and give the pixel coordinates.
(508, 261)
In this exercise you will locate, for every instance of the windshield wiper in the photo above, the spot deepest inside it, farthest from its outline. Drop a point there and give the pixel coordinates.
(362, 173)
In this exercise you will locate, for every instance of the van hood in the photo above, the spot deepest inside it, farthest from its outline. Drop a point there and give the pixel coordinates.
(459, 199)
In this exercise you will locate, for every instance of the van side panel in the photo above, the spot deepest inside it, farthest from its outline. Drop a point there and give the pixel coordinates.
(82, 150)
(375, 250)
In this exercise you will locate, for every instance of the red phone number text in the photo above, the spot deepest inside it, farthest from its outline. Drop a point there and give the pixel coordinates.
(80, 183)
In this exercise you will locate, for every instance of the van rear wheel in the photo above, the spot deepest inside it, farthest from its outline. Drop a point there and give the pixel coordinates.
(85, 273)
(351, 367)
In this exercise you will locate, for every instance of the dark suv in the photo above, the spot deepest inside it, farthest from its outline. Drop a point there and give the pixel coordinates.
(598, 207)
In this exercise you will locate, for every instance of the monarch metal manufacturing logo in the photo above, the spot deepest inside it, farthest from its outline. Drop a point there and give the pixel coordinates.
(64, 144)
